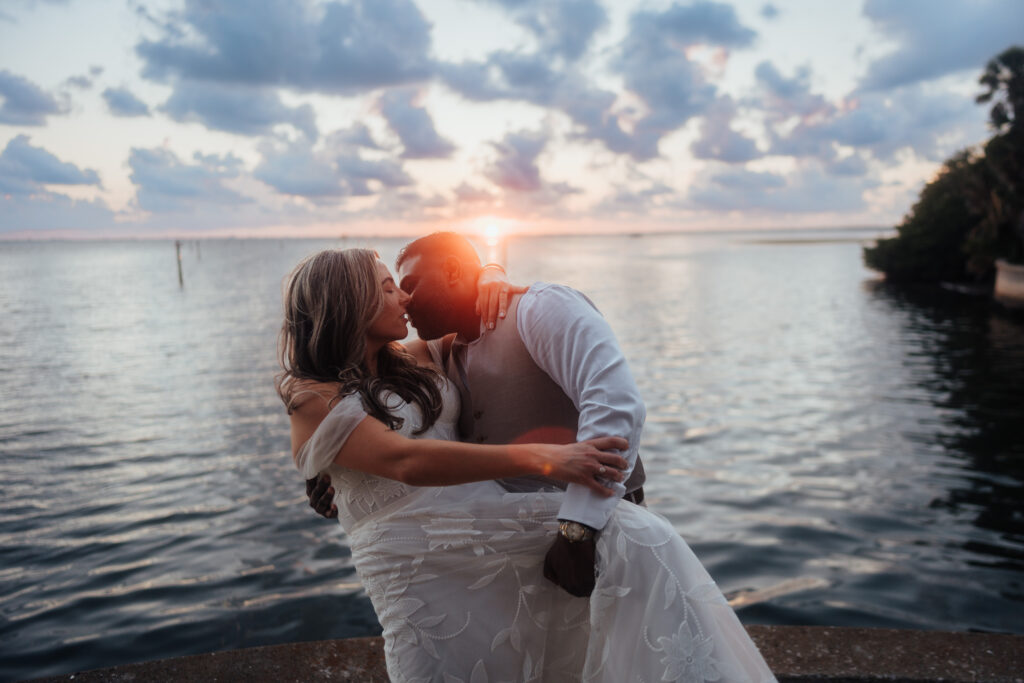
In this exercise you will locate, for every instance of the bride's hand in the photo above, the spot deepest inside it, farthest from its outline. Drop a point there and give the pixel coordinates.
(589, 463)
(492, 294)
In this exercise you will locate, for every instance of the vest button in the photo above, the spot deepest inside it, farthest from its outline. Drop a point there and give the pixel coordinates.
(481, 438)
(478, 414)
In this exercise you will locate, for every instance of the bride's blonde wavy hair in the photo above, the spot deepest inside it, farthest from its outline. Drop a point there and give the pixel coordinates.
(330, 299)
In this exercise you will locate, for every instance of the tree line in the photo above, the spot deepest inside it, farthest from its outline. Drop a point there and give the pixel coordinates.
(972, 213)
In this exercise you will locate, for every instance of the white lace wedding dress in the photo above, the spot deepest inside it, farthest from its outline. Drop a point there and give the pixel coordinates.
(455, 575)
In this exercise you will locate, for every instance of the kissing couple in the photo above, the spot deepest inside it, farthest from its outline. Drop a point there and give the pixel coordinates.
(487, 476)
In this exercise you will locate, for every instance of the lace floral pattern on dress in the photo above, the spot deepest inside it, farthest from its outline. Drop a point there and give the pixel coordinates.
(455, 575)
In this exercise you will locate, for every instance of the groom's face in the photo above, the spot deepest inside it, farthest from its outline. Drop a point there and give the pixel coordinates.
(430, 308)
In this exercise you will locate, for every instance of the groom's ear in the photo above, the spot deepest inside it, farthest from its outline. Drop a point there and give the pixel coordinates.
(452, 269)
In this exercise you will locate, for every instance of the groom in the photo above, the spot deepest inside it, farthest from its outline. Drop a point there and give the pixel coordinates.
(552, 372)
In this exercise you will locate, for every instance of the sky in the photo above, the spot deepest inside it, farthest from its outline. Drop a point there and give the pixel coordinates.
(121, 118)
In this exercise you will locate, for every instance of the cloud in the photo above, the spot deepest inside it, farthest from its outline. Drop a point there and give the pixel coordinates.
(654, 65)
(719, 141)
(355, 136)
(651, 61)
(696, 23)
(563, 29)
(471, 195)
(81, 82)
(745, 180)
(854, 165)
(507, 75)
(335, 47)
(910, 118)
(357, 173)
(405, 205)
(52, 211)
(122, 102)
(166, 184)
(85, 81)
(803, 124)
(25, 169)
(629, 201)
(298, 169)
(786, 97)
(805, 191)
(237, 109)
(935, 40)
(769, 11)
(29, 5)
(26, 203)
(516, 172)
(413, 126)
(515, 169)
(23, 103)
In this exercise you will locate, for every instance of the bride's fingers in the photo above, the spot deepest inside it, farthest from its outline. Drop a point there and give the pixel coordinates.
(503, 302)
(490, 306)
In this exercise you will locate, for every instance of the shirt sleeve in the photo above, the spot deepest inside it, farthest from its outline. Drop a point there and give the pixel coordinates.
(571, 341)
(319, 451)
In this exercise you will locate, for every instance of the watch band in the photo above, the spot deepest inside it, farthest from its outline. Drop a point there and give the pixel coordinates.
(574, 532)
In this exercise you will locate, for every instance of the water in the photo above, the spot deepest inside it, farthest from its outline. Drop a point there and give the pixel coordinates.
(836, 451)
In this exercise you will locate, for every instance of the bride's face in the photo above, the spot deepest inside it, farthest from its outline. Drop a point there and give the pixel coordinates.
(391, 323)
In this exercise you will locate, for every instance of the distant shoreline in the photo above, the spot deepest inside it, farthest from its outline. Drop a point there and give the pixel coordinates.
(823, 240)
(65, 237)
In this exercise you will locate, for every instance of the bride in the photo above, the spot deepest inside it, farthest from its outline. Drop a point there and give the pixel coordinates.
(453, 563)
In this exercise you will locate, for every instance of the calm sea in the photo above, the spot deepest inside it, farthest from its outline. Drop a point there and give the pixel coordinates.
(836, 451)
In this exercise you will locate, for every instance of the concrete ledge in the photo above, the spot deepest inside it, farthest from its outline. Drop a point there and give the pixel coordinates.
(840, 655)
(795, 653)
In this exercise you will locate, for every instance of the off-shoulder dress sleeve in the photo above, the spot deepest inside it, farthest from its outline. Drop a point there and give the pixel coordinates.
(319, 451)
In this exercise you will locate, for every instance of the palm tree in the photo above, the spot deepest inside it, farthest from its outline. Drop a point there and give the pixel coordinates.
(1004, 78)
(1002, 229)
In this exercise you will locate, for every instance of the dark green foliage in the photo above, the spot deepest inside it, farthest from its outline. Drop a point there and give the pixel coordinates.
(998, 193)
(1004, 78)
(928, 246)
(973, 212)
(1001, 233)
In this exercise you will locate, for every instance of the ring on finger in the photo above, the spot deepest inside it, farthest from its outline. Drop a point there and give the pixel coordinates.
(602, 469)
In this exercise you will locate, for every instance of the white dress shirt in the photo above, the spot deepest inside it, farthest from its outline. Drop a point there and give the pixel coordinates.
(571, 341)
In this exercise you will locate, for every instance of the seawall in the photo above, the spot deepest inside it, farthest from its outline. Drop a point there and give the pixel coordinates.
(795, 653)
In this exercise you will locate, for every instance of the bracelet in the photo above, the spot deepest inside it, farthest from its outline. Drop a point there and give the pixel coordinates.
(495, 265)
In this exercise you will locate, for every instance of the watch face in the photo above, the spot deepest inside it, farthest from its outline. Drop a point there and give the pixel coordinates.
(573, 531)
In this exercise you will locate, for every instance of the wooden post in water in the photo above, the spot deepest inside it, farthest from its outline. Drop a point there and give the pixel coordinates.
(177, 249)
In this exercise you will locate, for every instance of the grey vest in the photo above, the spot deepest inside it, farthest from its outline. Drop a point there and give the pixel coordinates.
(507, 398)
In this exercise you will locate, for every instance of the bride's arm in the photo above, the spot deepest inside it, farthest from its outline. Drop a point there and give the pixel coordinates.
(374, 448)
(360, 442)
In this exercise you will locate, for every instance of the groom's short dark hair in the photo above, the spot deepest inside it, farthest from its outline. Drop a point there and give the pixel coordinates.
(439, 244)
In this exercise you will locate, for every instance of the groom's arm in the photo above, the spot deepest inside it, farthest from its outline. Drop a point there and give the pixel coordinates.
(572, 342)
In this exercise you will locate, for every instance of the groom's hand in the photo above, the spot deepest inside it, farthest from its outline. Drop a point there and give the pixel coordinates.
(321, 496)
(571, 565)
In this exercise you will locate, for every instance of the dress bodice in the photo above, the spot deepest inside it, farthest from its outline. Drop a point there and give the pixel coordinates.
(358, 494)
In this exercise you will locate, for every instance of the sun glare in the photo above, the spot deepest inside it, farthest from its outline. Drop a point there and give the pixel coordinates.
(493, 233)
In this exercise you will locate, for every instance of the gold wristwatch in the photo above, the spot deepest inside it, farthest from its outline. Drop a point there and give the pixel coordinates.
(574, 532)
